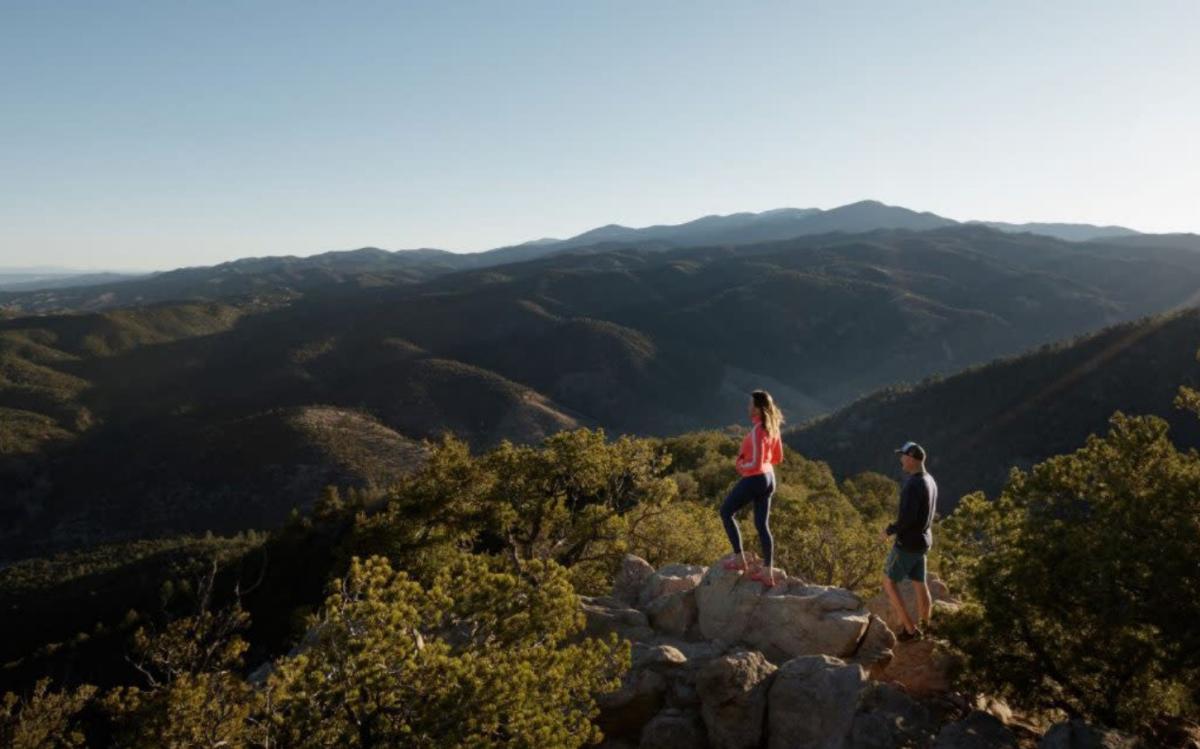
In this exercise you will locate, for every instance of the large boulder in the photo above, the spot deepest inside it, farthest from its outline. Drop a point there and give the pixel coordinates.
(674, 613)
(671, 578)
(605, 615)
(880, 605)
(1076, 734)
(683, 692)
(643, 692)
(674, 729)
(786, 621)
(875, 650)
(924, 668)
(628, 584)
(733, 697)
(979, 730)
(624, 712)
(704, 650)
(887, 718)
(663, 658)
(812, 703)
(725, 603)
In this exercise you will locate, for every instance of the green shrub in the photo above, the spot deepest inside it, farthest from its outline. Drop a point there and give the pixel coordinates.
(1085, 579)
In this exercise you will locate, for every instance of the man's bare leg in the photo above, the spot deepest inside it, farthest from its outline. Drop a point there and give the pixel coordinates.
(924, 602)
(898, 604)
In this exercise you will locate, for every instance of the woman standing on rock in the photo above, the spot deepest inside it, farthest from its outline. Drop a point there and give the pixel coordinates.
(761, 450)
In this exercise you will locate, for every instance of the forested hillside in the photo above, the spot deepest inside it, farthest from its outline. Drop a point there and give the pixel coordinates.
(1019, 411)
(209, 416)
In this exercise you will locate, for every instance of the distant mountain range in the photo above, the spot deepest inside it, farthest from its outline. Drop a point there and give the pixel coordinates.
(226, 414)
(287, 277)
(736, 229)
(787, 223)
(1068, 232)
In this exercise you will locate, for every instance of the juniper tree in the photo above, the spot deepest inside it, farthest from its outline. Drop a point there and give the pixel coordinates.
(1085, 579)
(480, 658)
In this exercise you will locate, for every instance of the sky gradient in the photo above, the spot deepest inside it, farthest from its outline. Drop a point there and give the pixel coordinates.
(161, 134)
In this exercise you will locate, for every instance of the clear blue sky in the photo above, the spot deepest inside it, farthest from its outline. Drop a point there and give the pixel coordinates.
(162, 133)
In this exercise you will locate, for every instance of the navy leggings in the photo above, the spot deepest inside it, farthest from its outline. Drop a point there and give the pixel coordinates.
(757, 489)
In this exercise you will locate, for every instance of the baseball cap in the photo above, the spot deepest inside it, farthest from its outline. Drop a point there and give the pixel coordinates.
(913, 450)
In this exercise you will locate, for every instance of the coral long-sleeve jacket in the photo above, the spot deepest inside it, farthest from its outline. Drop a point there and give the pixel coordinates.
(760, 451)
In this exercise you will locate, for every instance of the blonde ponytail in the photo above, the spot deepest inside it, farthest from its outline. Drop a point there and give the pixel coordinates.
(772, 417)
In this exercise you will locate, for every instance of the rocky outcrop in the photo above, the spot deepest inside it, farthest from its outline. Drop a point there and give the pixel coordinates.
(924, 668)
(628, 584)
(719, 660)
(646, 690)
(623, 713)
(695, 603)
(875, 650)
(674, 729)
(673, 578)
(888, 717)
(664, 659)
(813, 702)
(605, 615)
(674, 613)
(791, 619)
(733, 697)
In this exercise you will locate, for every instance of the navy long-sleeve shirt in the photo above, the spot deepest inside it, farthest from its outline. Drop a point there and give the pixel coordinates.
(914, 523)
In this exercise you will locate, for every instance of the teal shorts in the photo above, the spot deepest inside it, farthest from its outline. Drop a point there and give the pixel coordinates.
(903, 564)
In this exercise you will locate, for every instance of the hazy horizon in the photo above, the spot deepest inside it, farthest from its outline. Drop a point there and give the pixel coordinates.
(56, 269)
(154, 137)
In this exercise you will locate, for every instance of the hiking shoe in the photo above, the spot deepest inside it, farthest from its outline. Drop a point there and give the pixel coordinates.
(762, 577)
(907, 636)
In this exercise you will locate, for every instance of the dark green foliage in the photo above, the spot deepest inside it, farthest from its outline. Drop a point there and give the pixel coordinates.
(479, 658)
(1085, 579)
(71, 615)
(479, 654)
(44, 720)
(570, 500)
(820, 537)
(873, 495)
(192, 694)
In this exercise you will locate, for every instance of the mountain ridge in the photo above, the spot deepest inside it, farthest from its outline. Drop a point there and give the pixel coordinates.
(1019, 410)
(288, 275)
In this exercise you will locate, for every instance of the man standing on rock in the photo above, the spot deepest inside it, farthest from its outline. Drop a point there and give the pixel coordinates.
(914, 537)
